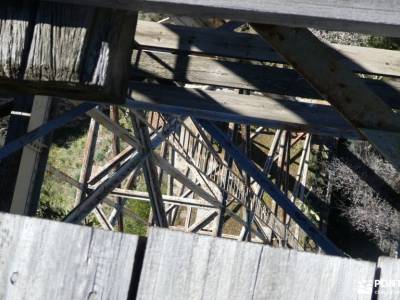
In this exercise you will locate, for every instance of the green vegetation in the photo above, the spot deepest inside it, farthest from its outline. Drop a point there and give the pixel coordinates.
(384, 42)
(57, 197)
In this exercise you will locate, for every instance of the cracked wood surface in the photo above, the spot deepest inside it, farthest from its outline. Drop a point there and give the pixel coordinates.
(65, 50)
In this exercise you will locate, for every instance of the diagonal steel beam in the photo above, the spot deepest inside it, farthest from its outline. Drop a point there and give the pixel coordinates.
(150, 172)
(87, 162)
(290, 208)
(168, 168)
(45, 129)
(326, 69)
(91, 201)
(115, 128)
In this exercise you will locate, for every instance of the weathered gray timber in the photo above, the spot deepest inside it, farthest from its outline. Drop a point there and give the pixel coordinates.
(301, 275)
(182, 266)
(66, 50)
(203, 70)
(41, 259)
(207, 41)
(269, 111)
(388, 286)
(335, 82)
(379, 17)
(45, 260)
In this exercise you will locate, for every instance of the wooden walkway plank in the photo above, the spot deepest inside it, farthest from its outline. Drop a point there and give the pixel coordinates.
(388, 287)
(184, 266)
(377, 17)
(42, 259)
(47, 260)
(222, 73)
(287, 274)
(207, 41)
(277, 111)
(240, 108)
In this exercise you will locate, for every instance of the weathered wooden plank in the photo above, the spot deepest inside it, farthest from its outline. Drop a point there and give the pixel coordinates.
(42, 259)
(347, 93)
(287, 274)
(379, 17)
(269, 111)
(194, 69)
(186, 266)
(32, 166)
(388, 286)
(251, 46)
(66, 50)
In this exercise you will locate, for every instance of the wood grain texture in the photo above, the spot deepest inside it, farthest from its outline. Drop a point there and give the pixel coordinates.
(66, 50)
(208, 41)
(323, 68)
(184, 266)
(370, 16)
(41, 259)
(389, 286)
(269, 111)
(203, 70)
(295, 275)
(14, 35)
(48, 260)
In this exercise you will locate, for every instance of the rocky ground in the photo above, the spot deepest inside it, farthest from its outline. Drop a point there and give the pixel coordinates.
(345, 38)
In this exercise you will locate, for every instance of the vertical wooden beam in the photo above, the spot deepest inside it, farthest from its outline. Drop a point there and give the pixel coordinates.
(221, 216)
(116, 149)
(87, 161)
(249, 207)
(33, 163)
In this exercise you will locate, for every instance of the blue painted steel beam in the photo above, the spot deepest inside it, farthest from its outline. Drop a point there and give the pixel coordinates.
(291, 209)
(45, 129)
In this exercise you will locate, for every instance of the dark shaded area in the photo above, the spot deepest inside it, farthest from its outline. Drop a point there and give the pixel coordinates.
(137, 267)
(73, 130)
(355, 243)
(380, 186)
(17, 127)
(390, 43)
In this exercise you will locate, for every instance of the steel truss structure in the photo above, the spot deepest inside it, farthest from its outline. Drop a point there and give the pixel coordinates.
(198, 99)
